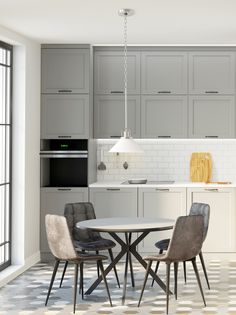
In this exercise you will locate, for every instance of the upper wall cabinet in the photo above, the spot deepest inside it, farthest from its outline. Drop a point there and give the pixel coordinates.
(65, 70)
(109, 72)
(164, 73)
(212, 73)
(211, 116)
(164, 116)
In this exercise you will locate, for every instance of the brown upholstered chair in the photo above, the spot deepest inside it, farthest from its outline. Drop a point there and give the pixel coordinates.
(85, 239)
(62, 248)
(196, 209)
(185, 244)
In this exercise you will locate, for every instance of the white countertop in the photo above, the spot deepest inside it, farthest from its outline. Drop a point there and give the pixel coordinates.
(150, 185)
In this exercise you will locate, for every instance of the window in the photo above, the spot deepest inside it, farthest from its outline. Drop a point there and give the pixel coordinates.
(5, 153)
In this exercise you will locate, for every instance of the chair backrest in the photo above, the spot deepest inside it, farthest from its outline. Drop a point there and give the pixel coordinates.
(80, 211)
(59, 238)
(204, 210)
(187, 238)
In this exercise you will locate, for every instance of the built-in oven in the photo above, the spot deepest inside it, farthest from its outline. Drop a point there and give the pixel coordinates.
(64, 163)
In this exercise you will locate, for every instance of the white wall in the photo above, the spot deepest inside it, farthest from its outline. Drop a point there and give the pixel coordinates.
(167, 160)
(26, 135)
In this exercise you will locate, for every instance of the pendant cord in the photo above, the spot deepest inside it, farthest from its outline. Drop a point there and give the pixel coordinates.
(125, 71)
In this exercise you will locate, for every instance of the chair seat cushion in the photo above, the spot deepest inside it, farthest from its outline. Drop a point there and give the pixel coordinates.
(93, 245)
(163, 244)
(86, 257)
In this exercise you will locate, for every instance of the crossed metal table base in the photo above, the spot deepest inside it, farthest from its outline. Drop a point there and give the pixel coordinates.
(127, 248)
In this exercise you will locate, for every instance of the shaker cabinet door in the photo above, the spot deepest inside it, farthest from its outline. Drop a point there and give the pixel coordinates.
(65, 70)
(65, 116)
(109, 116)
(164, 116)
(211, 116)
(164, 73)
(109, 72)
(212, 72)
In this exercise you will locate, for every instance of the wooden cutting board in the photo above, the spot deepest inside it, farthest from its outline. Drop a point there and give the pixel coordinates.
(201, 167)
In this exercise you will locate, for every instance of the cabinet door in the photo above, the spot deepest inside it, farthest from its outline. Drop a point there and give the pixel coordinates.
(53, 201)
(221, 235)
(65, 70)
(65, 116)
(164, 73)
(109, 72)
(211, 117)
(109, 116)
(168, 203)
(212, 72)
(164, 116)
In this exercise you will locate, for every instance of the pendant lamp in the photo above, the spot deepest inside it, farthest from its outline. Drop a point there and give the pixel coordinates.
(126, 143)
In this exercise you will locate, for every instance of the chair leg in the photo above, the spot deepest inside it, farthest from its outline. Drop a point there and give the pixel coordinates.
(97, 252)
(198, 279)
(115, 271)
(100, 264)
(145, 281)
(52, 280)
(176, 278)
(167, 286)
(63, 273)
(130, 263)
(81, 286)
(185, 274)
(157, 266)
(75, 285)
(204, 269)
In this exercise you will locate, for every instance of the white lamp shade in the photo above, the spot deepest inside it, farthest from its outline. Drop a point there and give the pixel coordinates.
(126, 145)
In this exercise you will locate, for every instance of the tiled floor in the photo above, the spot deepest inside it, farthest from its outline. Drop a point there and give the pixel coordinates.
(26, 294)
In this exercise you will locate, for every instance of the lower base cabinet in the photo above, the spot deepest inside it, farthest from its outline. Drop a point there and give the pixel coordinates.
(157, 203)
(52, 201)
(221, 235)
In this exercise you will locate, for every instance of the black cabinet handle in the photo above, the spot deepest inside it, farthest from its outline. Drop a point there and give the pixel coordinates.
(211, 92)
(114, 136)
(64, 137)
(212, 137)
(163, 136)
(162, 189)
(117, 92)
(113, 189)
(64, 189)
(164, 92)
(64, 91)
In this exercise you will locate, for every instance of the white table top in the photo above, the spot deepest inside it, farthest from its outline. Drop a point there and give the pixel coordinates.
(123, 224)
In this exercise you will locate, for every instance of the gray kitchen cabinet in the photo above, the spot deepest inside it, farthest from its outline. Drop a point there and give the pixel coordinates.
(164, 116)
(154, 203)
(109, 115)
(114, 202)
(65, 70)
(164, 72)
(109, 72)
(221, 235)
(65, 116)
(212, 72)
(52, 201)
(211, 116)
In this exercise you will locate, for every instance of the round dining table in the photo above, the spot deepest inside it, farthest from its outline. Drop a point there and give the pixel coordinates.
(127, 226)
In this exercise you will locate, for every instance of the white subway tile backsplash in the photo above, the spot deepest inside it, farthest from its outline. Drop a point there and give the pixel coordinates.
(167, 159)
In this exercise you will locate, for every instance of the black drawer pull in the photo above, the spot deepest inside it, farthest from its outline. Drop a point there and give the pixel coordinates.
(64, 91)
(212, 137)
(117, 92)
(64, 189)
(211, 189)
(114, 136)
(163, 136)
(162, 189)
(64, 137)
(211, 92)
(164, 92)
(113, 189)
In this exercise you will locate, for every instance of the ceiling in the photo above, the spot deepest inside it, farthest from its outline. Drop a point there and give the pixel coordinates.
(156, 22)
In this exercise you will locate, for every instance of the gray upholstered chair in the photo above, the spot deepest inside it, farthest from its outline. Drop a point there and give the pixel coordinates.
(62, 248)
(85, 239)
(185, 244)
(196, 209)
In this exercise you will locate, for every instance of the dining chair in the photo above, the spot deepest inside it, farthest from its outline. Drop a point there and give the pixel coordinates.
(185, 244)
(62, 248)
(85, 239)
(196, 209)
